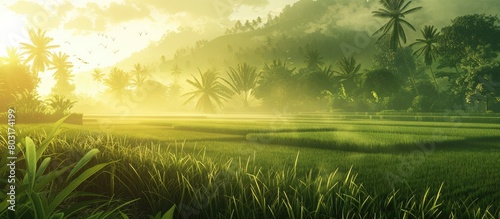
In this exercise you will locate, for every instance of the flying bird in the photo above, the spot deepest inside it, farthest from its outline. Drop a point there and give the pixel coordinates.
(113, 38)
(67, 42)
(82, 60)
(105, 46)
(146, 33)
(140, 33)
(116, 51)
(90, 51)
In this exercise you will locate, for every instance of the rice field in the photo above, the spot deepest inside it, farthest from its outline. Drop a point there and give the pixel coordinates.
(297, 166)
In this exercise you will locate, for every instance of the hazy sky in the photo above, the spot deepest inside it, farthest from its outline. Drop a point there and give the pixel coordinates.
(103, 32)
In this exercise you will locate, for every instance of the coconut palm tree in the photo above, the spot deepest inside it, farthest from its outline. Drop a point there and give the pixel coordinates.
(118, 81)
(59, 62)
(243, 80)
(140, 76)
(62, 66)
(208, 91)
(428, 48)
(349, 71)
(313, 59)
(98, 77)
(395, 11)
(13, 57)
(176, 72)
(348, 67)
(38, 51)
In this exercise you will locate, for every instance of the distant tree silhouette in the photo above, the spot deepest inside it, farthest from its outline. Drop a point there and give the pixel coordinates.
(118, 81)
(314, 59)
(428, 48)
(62, 73)
(276, 85)
(98, 76)
(242, 81)
(39, 51)
(13, 57)
(208, 91)
(348, 72)
(176, 72)
(14, 79)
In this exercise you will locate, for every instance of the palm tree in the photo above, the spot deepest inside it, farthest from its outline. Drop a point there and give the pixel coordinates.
(395, 11)
(243, 81)
(140, 76)
(348, 73)
(208, 90)
(38, 51)
(98, 77)
(13, 57)
(60, 104)
(118, 82)
(428, 48)
(176, 72)
(62, 74)
(348, 68)
(62, 66)
(313, 59)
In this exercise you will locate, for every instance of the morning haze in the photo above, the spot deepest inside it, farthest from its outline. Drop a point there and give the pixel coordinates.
(250, 109)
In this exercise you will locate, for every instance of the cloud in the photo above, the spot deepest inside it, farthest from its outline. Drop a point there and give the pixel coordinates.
(216, 9)
(117, 13)
(80, 23)
(40, 16)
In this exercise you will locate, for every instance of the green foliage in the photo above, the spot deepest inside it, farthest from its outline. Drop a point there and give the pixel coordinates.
(382, 81)
(276, 85)
(313, 59)
(349, 75)
(39, 194)
(467, 31)
(427, 45)
(480, 83)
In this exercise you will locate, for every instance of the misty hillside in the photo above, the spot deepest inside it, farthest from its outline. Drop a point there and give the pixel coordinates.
(301, 27)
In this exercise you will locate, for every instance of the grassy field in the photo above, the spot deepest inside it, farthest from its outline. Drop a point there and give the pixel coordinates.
(289, 167)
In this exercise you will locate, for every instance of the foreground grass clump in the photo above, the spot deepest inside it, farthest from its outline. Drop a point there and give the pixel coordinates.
(39, 193)
(163, 175)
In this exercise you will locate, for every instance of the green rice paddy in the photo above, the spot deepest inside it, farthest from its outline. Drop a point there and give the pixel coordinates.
(295, 166)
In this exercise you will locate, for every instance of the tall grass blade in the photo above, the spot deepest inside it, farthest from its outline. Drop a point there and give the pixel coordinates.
(84, 160)
(74, 184)
(31, 160)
